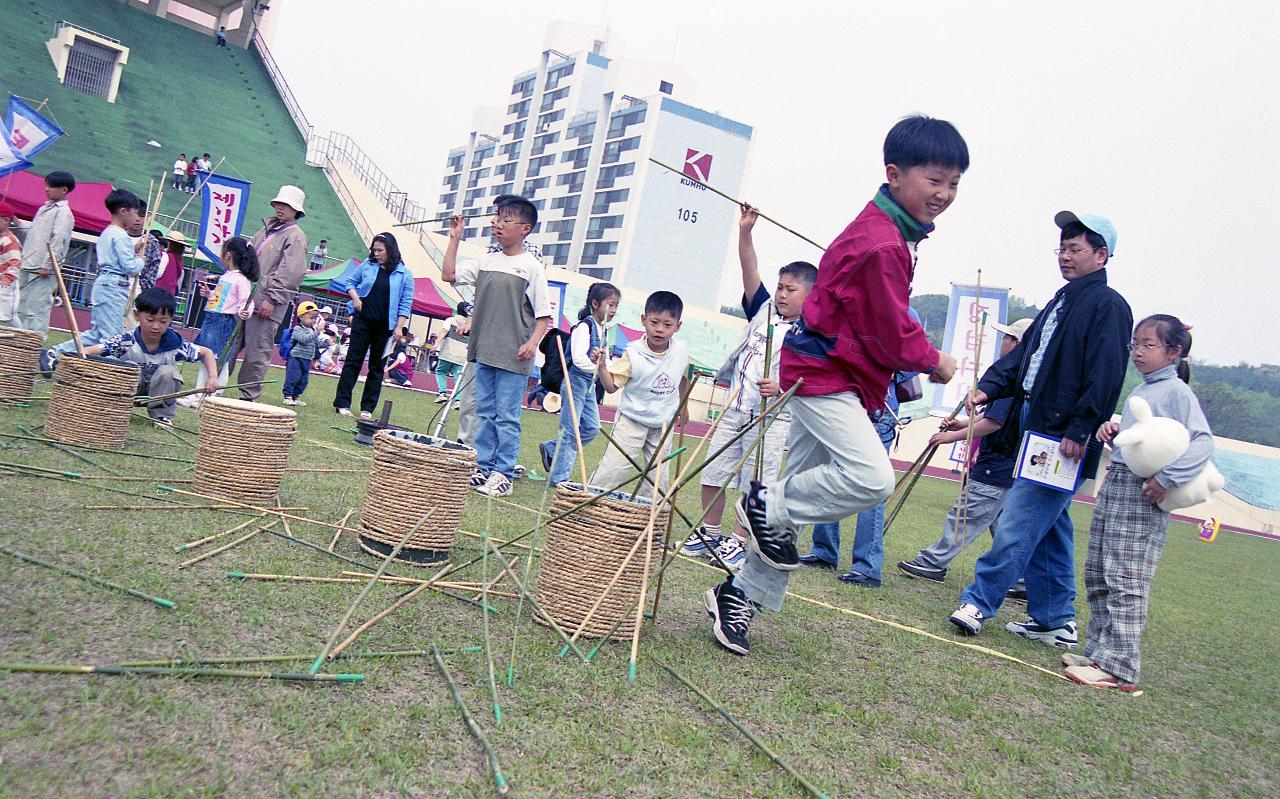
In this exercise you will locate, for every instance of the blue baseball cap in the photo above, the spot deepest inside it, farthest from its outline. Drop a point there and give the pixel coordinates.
(1098, 224)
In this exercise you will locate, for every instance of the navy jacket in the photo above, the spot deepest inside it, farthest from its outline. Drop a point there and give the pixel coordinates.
(1080, 378)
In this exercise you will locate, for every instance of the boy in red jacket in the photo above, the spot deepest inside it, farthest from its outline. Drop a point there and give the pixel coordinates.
(853, 334)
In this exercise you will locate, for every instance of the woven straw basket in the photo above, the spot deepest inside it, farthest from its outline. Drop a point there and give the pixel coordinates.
(20, 353)
(92, 401)
(412, 474)
(243, 449)
(584, 550)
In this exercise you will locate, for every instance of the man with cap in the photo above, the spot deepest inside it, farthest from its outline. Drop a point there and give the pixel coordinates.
(989, 477)
(281, 247)
(1064, 378)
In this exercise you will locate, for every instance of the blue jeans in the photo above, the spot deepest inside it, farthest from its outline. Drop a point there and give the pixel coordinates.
(588, 422)
(868, 537)
(109, 296)
(498, 396)
(296, 374)
(1035, 538)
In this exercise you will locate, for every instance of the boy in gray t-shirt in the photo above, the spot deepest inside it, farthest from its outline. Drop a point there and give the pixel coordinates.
(512, 313)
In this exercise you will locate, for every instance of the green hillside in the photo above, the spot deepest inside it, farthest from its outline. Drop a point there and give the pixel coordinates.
(177, 89)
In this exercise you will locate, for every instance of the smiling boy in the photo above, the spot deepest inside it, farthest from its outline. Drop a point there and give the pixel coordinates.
(853, 333)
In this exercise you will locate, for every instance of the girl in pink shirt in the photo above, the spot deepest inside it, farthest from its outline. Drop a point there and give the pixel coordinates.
(228, 301)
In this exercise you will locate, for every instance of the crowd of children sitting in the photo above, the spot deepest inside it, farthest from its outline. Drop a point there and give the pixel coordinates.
(838, 335)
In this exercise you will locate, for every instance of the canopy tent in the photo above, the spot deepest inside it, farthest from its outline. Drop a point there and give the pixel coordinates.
(322, 279)
(427, 300)
(25, 192)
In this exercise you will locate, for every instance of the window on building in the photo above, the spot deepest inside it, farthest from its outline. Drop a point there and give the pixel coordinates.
(515, 130)
(501, 188)
(545, 120)
(476, 176)
(480, 155)
(536, 165)
(562, 228)
(592, 250)
(447, 199)
(558, 253)
(599, 224)
(540, 143)
(573, 180)
(532, 186)
(613, 150)
(452, 181)
(455, 161)
(618, 124)
(506, 171)
(569, 204)
(598, 273)
(603, 199)
(583, 131)
(665, 87)
(557, 74)
(579, 157)
(520, 109)
(549, 99)
(523, 87)
(510, 149)
(474, 195)
(609, 174)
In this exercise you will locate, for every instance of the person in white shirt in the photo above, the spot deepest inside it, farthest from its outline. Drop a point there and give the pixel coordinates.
(49, 229)
(179, 173)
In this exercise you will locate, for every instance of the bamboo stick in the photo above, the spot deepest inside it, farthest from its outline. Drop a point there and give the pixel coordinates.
(528, 566)
(62, 447)
(748, 734)
(219, 550)
(145, 399)
(768, 359)
(666, 538)
(51, 668)
(326, 471)
(666, 432)
(176, 507)
(108, 450)
(440, 219)
(216, 536)
(739, 202)
(333, 637)
(164, 603)
(573, 415)
(484, 576)
(170, 428)
(66, 301)
(128, 478)
(338, 533)
(494, 766)
(379, 616)
(390, 653)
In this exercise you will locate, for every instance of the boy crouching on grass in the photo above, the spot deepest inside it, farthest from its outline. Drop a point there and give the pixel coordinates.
(745, 370)
(158, 349)
(853, 333)
(652, 376)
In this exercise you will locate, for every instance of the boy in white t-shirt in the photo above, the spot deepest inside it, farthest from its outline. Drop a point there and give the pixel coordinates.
(653, 374)
(179, 172)
(512, 312)
(744, 371)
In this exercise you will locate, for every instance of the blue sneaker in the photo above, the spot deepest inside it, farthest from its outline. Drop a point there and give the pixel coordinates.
(695, 546)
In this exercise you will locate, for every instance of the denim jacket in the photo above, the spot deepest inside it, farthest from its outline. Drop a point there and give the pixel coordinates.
(399, 294)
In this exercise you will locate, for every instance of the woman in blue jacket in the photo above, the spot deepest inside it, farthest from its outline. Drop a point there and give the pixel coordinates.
(381, 293)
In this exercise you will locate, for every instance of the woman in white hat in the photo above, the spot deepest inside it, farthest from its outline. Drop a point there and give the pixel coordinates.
(282, 252)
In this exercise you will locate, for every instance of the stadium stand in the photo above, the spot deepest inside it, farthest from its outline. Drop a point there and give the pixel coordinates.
(177, 89)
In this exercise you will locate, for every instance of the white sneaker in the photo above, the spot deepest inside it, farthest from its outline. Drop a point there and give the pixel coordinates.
(299, 402)
(968, 619)
(288, 401)
(1063, 637)
(496, 486)
(441, 398)
(730, 551)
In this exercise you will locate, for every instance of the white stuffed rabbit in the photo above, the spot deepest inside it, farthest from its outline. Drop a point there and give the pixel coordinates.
(1152, 443)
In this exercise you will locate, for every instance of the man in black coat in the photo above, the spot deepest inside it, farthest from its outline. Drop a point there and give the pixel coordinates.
(1065, 377)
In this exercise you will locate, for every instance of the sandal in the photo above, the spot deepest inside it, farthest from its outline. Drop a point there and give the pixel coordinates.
(342, 411)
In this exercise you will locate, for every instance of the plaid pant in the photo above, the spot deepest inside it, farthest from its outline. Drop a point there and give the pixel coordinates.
(1125, 538)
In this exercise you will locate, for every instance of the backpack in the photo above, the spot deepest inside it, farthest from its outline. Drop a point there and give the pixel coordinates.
(286, 343)
(552, 375)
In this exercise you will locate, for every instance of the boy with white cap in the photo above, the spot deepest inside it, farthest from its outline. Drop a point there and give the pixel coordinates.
(281, 247)
(1064, 378)
(989, 477)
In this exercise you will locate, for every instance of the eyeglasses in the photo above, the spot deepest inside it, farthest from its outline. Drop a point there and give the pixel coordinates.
(1074, 251)
(1133, 345)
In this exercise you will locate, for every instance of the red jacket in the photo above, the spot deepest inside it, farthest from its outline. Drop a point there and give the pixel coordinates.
(854, 331)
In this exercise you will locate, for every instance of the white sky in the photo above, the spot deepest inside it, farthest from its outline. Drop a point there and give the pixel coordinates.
(1154, 114)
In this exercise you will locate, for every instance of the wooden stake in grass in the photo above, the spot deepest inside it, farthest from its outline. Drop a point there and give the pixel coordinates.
(54, 668)
(748, 734)
(333, 637)
(494, 766)
(164, 603)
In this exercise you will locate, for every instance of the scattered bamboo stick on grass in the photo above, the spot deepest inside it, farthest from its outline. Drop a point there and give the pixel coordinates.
(391, 653)
(64, 448)
(338, 533)
(164, 603)
(494, 766)
(348, 453)
(484, 573)
(528, 566)
(144, 399)
(216, 536)
(51, 668)
(189, 431)
(326, 471)
(178, 506)
(107, 450)
(219, 550)
(748, 734)
(377, 617)
(382, 567)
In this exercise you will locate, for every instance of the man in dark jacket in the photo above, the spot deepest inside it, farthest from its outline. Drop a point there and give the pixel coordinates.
(1065, 377)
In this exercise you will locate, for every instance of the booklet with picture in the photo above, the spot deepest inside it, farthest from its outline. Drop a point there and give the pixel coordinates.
(1040, 461)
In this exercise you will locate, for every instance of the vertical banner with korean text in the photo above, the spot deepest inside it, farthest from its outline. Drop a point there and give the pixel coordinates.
(223, 202)
(556, 290)
(961, 340)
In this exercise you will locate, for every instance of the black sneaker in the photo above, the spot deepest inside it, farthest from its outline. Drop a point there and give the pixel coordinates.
(730, 613)
(914, 568)
(776, 548)
(1018, 593)
(859, 579)
(48, 362)
(810, 559)
(548, 455)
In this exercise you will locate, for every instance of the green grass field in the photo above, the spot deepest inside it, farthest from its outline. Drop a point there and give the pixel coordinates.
(861, 708)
